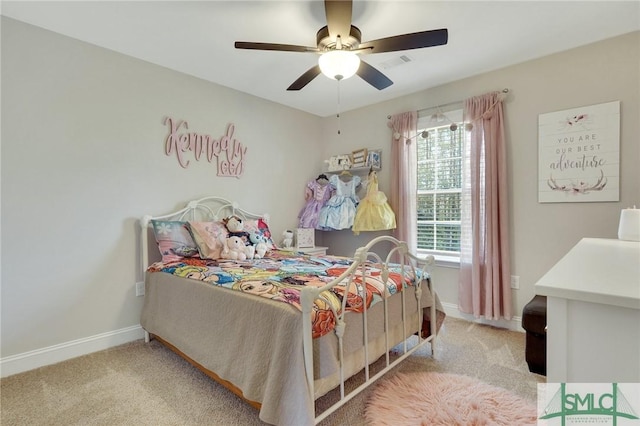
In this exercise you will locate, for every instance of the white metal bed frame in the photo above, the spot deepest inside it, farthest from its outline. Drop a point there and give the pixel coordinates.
(202, 209)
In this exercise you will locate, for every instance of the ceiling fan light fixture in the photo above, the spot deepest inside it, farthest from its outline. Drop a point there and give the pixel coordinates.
(339, 64)
(338, 42)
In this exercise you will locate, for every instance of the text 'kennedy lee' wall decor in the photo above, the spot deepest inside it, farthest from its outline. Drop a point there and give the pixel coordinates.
(229, 152)
(579, 154)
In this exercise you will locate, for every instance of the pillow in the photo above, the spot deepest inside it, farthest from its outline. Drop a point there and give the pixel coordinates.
(261, 227)
(208, 237)
(174, 240)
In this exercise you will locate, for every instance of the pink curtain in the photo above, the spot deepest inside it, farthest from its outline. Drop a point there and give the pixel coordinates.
(402, 195)
(485, 275)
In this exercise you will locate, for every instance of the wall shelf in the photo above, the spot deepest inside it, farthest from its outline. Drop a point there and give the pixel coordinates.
(368, 159)
(352, 170)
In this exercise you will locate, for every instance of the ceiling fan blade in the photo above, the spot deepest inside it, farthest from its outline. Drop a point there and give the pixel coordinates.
(338, 18)
(305, 78)
(373, 76)
(407, 41)
(274, 46)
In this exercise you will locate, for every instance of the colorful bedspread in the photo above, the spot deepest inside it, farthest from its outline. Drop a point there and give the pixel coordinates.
(281, 274)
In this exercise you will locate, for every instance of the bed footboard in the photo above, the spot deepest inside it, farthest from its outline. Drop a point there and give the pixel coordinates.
(411, 267)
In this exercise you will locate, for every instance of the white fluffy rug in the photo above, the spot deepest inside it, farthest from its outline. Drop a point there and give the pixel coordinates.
(445, 399)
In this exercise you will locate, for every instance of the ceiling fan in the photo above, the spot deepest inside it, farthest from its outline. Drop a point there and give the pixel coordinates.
(339, 42)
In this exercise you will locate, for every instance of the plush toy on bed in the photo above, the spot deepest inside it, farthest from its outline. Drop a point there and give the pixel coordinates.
(236, 228)
(233, 249)
(250, 251)
(259, 243)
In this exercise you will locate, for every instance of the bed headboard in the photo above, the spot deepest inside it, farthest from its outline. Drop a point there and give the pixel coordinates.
(203, 209)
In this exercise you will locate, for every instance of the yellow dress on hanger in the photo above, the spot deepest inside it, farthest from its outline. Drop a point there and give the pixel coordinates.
(374, 212)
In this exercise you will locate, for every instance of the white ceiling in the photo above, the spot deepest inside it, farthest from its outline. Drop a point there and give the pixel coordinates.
(197, 38)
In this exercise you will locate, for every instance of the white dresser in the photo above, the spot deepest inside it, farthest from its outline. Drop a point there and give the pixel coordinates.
(593, 313)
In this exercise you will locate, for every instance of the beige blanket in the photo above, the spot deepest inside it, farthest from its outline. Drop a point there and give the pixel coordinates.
(256, 343)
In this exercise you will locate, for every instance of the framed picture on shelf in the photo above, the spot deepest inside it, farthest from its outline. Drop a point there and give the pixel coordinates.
(374, 159)
(359, 158)
(339, 162)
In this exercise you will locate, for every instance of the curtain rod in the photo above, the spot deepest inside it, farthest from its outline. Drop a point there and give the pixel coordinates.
(445, 105)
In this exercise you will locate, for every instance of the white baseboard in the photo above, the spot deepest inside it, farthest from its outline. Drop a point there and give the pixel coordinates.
(514, 324)
(53, 354)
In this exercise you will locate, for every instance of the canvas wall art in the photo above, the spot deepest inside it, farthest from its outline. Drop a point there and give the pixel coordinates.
(579, 154)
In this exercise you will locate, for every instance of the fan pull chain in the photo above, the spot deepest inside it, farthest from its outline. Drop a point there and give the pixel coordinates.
(338, 114)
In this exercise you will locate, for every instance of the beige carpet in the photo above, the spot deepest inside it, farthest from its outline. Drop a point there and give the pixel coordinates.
(146, 384)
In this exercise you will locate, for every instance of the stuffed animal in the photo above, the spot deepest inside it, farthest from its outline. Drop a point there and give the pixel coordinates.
(234, 249)
(287, 242)
(250, 251)
(236, 228)
(233, 223)
(259, 243)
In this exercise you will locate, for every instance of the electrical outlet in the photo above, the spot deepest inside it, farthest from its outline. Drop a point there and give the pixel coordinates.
(515, 282)
(140, 288)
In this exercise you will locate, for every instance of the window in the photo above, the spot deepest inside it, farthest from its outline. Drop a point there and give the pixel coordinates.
(439, 172)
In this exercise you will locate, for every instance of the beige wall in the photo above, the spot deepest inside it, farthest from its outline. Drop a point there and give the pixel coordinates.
(83, 159)
(540, 233)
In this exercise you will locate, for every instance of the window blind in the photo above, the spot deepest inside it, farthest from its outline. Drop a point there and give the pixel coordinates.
(439, 174)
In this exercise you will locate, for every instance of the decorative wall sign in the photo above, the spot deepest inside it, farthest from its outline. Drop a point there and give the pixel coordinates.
(579, 154)
(228, 152)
